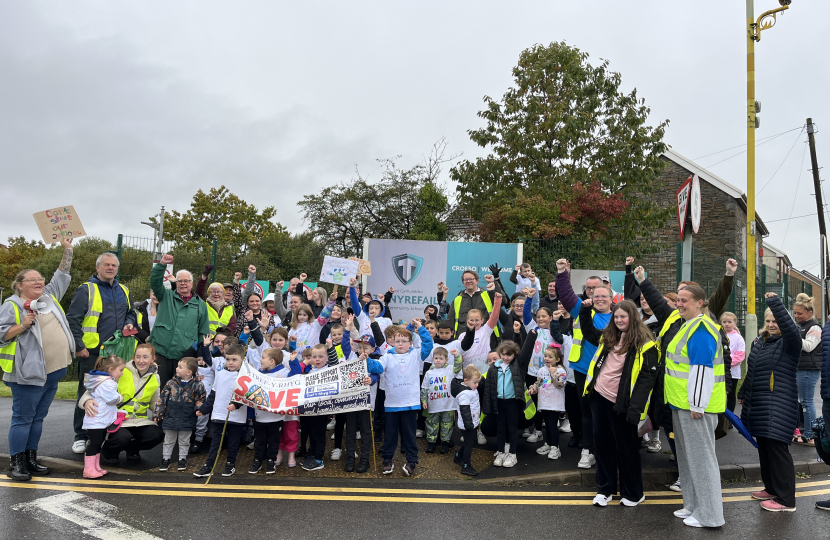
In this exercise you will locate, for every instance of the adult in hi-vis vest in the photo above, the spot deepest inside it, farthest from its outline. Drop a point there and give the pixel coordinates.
(695, 388)
(582, 352)
(472, 297)
(182, 319)
(220, 310)
(139, 387)
(36, 348)
(618, 384)
(99, 308)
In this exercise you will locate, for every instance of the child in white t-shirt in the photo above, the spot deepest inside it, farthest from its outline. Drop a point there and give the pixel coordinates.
(550, 387)
(437, 400)
(469, 417)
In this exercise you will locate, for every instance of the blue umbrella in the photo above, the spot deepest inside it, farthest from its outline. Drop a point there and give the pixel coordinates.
(740, 427)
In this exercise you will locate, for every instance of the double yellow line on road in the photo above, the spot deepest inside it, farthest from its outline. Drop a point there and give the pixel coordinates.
(362, 494)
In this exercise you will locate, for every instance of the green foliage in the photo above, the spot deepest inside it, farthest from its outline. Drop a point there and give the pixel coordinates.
(16, 257)
(403, 204)
(219, 215)
(564, 125)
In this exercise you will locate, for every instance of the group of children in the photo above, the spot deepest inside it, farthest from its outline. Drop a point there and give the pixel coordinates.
(428, 380)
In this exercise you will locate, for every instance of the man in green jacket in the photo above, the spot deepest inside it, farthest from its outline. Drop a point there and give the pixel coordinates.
(182, 319)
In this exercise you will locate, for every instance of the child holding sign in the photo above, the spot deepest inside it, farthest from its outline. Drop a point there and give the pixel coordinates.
(221, 409)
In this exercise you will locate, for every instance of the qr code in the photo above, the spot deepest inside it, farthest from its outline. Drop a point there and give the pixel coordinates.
(352, 375)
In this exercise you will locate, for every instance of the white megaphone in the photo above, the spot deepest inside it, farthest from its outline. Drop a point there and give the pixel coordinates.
(39, 306)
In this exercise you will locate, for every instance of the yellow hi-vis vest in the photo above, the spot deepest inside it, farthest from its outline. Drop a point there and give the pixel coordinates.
(675, 316)
(7, 353)
(635, 372)
(677, 367)
(89, 325)
(576, 348)
(530, 407)
(137, 406)
(215, 320)
(487, 303)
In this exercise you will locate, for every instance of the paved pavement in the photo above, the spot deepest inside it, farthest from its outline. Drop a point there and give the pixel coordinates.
(732, 450)
(143, 508)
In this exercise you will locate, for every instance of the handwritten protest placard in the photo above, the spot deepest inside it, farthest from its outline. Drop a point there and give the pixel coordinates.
(363, 267)
(331, 390)
(58, 223)
(338, 271)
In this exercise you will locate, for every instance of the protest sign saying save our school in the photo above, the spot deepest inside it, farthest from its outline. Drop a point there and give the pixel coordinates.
(331, 390)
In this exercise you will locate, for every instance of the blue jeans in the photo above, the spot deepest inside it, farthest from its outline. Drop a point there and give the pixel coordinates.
(807, 379)
(30, 405)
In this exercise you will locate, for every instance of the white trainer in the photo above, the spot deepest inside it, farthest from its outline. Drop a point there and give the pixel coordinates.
(676, 486)
(330, 425)
(601, 500)
(510, 461)
(357, 436)
(692, 522)
(533, 437)
(627, 502)
(654, 446)
(79, 447)
(554, 453)
(499, 461)
(419, 433)
(335, 454)
(565, 426)
(481, 438)
(526, 433)
(586, 461)
(544, 449)
(682, 513)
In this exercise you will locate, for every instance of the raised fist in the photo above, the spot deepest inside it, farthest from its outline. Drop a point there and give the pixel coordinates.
(639, 274)
(629, 261)
(207, 270)
(352, 282)
(731, 267)
(166, 259)
(561, 265)
(237, 276)
(303, 276)
(251, 269)
(489, 278)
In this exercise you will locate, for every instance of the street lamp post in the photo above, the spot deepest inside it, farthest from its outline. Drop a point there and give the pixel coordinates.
(753, 33)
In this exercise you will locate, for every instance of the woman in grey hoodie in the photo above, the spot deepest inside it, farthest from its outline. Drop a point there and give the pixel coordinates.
(36, 347)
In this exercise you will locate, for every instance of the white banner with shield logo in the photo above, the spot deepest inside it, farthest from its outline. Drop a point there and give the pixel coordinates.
(412, 267)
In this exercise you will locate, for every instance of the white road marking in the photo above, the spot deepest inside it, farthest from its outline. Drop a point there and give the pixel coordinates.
(94, 516)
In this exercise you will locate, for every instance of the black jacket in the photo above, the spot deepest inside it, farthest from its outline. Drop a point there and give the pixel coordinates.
(631, 403)
(143, 309)
(770, 391)
(178, 402)
(517, 368)
(812, 359)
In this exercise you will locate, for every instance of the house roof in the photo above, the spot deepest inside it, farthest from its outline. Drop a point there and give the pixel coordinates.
(806, 276)
(716, 181)
(779, 252)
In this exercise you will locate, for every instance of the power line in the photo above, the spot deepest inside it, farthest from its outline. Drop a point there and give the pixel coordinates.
(790, 218)
(743, 151)
(744, 144)
(782, 162)
(795, 198)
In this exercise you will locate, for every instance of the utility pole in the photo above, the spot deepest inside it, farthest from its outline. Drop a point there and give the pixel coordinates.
(158, 235)
(822, 227)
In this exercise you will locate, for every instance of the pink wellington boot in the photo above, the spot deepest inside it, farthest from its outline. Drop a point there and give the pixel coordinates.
(90, 469)
(98, 465)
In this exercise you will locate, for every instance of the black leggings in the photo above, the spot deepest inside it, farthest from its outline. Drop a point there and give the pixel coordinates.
(96, 439)
(339, 426)
(508, 425)
(551, 426)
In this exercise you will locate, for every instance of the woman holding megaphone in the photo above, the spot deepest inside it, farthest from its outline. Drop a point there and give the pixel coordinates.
(36, 347)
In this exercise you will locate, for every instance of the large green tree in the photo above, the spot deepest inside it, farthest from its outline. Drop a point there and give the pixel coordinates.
(220, 215)
(407, 204)
(569, 154)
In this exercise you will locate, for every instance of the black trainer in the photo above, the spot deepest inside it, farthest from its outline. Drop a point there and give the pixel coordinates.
(388, 466)
(196, 447)
(431, 448)
(229, 469)
(203, 472)
(444, 447)
(183, 464)
(270, 467)
(165, 464)
(255, 467)
(363, 466)
(469, 470)
(457, 459)
(409, 469)
(133, 456)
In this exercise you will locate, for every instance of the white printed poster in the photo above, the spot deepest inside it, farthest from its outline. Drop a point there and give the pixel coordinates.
(331, 390)
(412, 267)
(338, 271)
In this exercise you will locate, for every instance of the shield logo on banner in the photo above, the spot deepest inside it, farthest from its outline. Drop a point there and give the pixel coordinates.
(407, 267)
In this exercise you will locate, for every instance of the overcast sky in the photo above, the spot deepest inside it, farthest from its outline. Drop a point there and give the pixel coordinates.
(121, 107)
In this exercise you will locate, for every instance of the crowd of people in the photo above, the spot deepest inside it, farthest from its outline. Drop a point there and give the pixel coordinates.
(613, 369)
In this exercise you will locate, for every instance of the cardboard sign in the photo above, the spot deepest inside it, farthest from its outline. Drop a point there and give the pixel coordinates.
(364, 268)
(58, 223)
(338, 271)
